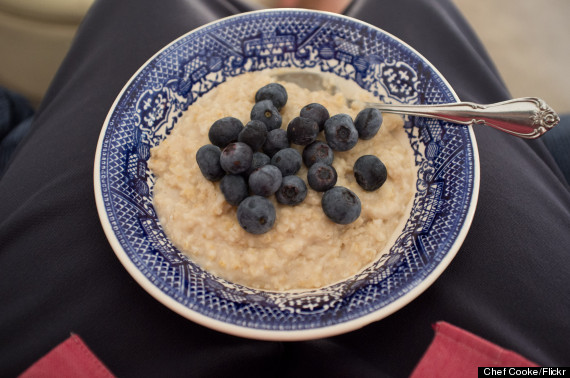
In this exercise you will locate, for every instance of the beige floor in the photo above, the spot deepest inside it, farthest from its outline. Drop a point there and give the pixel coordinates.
(35, 35)
(529, 42)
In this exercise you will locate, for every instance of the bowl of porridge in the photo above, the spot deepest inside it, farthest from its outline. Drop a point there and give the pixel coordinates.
(328, 254)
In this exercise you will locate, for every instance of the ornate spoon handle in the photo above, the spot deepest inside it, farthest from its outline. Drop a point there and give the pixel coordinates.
(526, 117)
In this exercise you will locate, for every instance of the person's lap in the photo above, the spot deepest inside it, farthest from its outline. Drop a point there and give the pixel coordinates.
(58, 273)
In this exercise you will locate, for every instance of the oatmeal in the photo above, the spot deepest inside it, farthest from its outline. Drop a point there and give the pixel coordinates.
(304, 249)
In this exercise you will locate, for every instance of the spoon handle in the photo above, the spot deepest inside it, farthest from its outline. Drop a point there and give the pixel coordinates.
(527, 117)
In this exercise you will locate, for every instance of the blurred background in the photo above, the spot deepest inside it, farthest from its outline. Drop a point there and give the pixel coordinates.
(529, 43)
(527, 39)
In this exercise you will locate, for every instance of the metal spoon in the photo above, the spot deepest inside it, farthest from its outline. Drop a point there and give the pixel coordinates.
(527, 117)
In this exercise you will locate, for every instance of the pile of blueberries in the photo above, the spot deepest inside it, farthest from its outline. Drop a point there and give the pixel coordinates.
(256, 161)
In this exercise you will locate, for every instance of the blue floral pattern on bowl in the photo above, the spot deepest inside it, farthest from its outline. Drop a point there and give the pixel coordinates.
(158, 94)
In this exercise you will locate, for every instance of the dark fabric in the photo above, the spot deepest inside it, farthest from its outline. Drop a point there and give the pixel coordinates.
(16, 115)
(557, 141)
(509, 282)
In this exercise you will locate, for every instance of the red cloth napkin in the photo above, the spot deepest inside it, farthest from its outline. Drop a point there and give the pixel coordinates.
(455, 352)
(71, 358)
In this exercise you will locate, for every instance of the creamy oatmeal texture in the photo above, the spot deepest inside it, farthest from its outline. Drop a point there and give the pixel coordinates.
(304, 249)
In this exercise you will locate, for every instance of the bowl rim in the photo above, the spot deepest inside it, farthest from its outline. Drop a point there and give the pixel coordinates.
(279, 335)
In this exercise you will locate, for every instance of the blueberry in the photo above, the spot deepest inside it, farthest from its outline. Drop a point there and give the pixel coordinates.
(302, 131)
(265, 112)
(368, 122)
(317, 113)
(322, 177)
(225, 131)
(274, 92)
(276, 140)
(234, 189)
(292, 191)
(258, 161)
(317, 152)
(340, 132)
(236, 158)
(208, 159)
(265, 181)
(288, 160)
(370, 172)
(253, 134)
(256, 214)
(341, 205)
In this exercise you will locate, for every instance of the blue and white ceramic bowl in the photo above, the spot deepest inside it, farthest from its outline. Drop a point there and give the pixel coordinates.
(157, 95)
